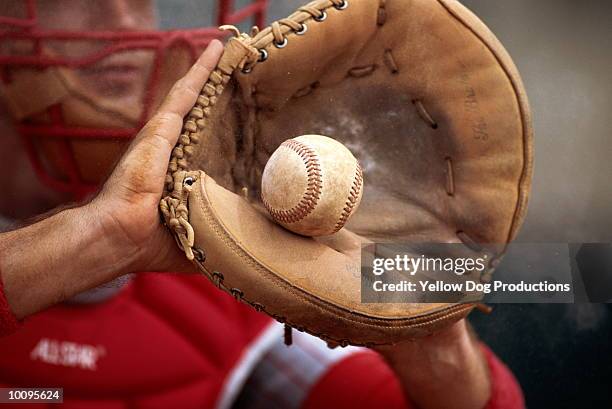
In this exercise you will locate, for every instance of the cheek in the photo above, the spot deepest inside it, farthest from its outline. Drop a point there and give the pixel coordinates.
(86, 15)
(70, 15)
(146, 13)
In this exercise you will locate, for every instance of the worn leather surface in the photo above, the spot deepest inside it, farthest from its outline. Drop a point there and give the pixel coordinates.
(432, 107)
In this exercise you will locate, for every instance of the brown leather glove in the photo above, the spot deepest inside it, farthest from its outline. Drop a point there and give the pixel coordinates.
(428, 101)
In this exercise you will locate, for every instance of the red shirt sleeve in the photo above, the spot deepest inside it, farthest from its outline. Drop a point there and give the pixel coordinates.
(364, 380)
(361, 380)
(8, 321)
(506, 392)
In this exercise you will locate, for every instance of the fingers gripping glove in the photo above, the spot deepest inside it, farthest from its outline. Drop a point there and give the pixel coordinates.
(431, 105)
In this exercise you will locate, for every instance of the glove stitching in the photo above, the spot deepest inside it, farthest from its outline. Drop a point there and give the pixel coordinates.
(423, 321)
(450, 177)
(173, 207)
(381, 17)
(390, 62)
(424, 113)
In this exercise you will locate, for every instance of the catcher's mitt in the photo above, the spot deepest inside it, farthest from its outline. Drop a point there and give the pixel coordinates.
(431, 105)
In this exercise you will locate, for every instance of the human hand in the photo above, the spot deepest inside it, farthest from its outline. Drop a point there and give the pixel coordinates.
(119, 231)
(446, 369)
(128, 203)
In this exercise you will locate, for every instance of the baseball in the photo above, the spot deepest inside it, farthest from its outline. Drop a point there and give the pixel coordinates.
(311, 185)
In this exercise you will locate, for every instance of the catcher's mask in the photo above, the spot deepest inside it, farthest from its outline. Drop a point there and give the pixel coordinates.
(78, 95)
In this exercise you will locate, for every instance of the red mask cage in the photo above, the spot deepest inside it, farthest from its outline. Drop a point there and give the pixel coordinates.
(55, 127)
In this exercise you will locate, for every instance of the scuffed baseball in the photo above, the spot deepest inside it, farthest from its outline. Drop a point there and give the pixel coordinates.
(312, 185)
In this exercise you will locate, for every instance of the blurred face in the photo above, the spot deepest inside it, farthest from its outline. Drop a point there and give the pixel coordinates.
(121, 74)
(115, 85)
(96, 15)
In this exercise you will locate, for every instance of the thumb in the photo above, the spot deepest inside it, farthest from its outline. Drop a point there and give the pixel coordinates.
(145, 162)
(168, 120)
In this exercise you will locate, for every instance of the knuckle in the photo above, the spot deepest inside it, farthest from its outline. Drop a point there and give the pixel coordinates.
(183, 87)
(201, 68)
(160, 140)
(165, 119)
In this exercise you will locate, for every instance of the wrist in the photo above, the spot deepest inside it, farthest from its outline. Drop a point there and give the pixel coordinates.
(152, 251)
(107, 245)
(441, 356)
(58, 257)
(446, 369)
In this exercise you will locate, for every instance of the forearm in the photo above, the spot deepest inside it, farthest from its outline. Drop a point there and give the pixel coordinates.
(56, 258)
(443, 371)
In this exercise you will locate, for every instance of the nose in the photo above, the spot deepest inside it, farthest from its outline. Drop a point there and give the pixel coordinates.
(126, 14)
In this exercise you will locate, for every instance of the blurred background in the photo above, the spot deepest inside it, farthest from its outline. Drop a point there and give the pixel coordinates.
(560, 353)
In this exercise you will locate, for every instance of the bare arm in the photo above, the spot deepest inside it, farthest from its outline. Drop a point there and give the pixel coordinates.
(119, 231)
(445, 370)
(56, 258)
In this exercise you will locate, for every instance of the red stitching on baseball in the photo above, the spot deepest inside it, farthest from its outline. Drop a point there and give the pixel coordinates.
(351, 202)
(313, 188)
